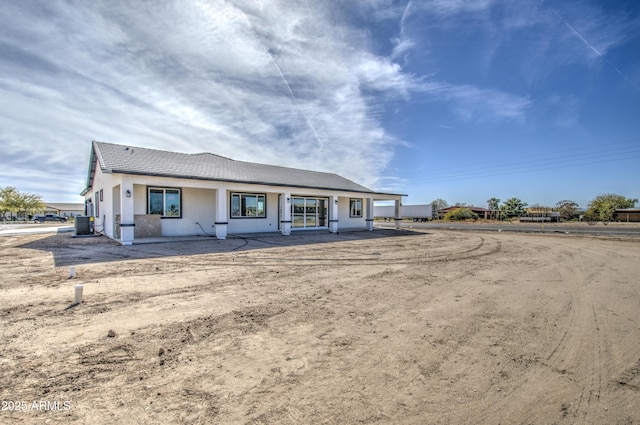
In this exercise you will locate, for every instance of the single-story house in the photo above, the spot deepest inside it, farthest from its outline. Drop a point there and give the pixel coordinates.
(627, 214)
(136, 192)
(63, 209)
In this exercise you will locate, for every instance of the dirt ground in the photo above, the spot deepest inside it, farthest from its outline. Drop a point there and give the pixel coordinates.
(389, 327)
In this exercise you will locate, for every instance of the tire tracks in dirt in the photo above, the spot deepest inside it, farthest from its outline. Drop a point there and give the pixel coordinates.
(575, 362)
(422, 329)
(583, 364)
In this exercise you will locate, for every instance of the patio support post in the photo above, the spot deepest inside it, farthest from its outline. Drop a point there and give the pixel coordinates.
(397, 216)
(221, 208)
(285, 209)
(126, 212)
(369, 214)
(333, 213)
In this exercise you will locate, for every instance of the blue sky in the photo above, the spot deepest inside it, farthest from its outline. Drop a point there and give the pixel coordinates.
(453, 99)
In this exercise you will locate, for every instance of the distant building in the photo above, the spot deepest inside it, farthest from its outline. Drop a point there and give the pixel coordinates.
(627, 215)
(540, 215)
(64, 209)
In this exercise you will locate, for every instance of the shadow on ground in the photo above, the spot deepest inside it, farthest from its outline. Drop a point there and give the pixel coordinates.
(67, 251)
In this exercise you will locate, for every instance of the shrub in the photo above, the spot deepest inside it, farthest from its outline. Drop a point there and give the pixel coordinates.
(460, 214)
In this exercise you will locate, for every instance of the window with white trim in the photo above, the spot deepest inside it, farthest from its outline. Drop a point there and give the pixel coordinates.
(355, 207)
(166, 201)
(248, 205)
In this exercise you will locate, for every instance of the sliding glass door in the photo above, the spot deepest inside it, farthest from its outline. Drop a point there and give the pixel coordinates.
(308, 212)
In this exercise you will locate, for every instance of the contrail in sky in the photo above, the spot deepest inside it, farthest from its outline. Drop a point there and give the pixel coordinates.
(581, 38)
(291, 94)
(589, 45)
(293, 97)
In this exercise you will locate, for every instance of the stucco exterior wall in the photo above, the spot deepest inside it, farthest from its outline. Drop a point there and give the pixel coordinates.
(197, 214)
(197, 209)
(252, 225)
(347, 222)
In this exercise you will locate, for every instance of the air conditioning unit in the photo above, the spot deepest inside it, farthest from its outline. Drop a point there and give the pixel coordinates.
(83, 225)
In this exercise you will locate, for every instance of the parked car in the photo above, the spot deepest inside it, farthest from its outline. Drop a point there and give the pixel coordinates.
(49, 217)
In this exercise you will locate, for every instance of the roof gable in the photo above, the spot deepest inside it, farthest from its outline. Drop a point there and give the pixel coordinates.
(113, 158)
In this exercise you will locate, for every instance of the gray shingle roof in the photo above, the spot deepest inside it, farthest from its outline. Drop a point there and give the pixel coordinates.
(123, 159)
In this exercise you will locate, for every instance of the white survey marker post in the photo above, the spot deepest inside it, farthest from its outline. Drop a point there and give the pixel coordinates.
(78, 298)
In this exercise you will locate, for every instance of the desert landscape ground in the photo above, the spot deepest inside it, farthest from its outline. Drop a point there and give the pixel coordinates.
(392, 327)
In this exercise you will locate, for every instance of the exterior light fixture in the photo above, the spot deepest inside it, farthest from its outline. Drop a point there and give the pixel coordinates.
(128, 193)
(336, 201)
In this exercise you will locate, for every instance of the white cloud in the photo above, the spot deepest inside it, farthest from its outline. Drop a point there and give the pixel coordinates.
(271, 82)
(486, 105)
(477, 104)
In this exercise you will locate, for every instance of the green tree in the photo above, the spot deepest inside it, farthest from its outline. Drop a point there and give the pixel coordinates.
(602, 207)
(513, 207)
(568, 209)
(30, 203)
(460, 214)
(13, 201)
(493, 203)
(9, 200)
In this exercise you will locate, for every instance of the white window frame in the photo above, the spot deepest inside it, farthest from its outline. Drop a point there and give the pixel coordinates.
(355, 211)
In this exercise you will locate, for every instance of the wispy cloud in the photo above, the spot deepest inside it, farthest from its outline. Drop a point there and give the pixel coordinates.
(547, 33)
(483, 105)
(403, 42)
(483, 34)
(281, 83)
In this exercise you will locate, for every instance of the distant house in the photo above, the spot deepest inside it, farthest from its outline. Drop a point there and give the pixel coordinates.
(136, 192)
(627, 214)
(64, 209)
